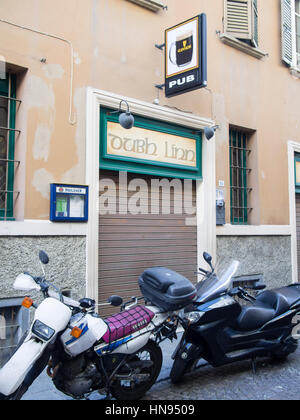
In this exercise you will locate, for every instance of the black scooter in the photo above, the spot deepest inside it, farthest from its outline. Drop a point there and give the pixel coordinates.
(218, 329)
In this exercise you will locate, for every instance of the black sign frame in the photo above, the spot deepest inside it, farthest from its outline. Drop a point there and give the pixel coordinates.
(194, 76)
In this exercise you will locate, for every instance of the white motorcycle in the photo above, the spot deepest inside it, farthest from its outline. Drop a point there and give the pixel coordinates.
(118, 356)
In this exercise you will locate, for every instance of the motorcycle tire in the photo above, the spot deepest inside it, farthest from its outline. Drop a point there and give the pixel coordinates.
(179, 369)
(288, 347)
(18, 394)
(134, 391)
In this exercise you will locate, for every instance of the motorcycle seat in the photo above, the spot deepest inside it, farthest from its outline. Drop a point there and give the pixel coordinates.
(254, 316)
(269, 304)
(291, 294)
(275, 300)
(126, 323)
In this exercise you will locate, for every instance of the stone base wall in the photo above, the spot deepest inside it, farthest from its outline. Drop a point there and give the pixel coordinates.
(269, 255)
(66, 268)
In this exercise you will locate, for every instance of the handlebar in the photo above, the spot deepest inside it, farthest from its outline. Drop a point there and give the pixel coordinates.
(56, 294)
(134, 300)
(241, 293)
(203, 271)
(66, 300)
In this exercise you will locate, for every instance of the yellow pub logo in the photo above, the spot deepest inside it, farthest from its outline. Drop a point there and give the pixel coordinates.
(185, 47)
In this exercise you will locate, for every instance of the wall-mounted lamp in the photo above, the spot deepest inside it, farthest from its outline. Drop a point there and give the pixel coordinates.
(209, 132)
(126, 120)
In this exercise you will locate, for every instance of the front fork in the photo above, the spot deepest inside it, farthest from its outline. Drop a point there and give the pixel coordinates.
(186, 351)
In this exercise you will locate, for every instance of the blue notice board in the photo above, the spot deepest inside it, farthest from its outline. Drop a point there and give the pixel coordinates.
(69, 203)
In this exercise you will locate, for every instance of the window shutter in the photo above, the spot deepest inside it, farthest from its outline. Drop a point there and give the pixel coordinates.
(255, 23)
(238, 22)
(286, 32)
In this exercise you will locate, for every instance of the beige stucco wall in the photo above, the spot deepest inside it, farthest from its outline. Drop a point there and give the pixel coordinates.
(113, 50)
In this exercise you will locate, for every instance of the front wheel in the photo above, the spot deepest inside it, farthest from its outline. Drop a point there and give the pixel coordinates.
(289, 346)
(179, 369)
(138, 374)
(18, 394)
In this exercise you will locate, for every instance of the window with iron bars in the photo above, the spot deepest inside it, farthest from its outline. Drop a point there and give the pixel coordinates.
(14, 321)
(239, 190)
(9, 105)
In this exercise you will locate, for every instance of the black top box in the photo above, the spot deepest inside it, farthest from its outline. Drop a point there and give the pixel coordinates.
(168, 290)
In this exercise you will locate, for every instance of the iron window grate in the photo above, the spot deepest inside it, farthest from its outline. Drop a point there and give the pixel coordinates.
(14, 320)
(9, 106)
(239, 189)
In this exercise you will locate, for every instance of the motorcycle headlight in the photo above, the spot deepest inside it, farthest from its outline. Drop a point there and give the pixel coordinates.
(42, 330)
(193, 317)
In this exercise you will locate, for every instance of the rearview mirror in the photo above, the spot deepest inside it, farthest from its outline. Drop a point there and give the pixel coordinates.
(43, 257)
(115, 300)
(207, 257)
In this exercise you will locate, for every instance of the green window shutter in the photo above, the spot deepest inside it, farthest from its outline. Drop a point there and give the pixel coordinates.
(286, 32)
(237, 18)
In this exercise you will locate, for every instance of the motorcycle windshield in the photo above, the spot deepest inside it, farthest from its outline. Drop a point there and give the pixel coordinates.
(217, 283)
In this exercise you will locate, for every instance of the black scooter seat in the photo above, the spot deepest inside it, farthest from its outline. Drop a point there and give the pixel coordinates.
(269, 304)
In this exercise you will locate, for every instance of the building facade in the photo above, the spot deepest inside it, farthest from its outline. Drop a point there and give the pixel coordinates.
(65, 69)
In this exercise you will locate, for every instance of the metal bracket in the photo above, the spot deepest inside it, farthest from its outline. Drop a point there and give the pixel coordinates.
(160, 86)
(160, 46)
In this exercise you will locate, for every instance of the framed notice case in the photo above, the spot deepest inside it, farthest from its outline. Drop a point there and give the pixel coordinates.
(68, 203)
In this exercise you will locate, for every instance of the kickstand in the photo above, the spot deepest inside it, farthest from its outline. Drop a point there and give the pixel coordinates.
(253, 362)
(108, 394)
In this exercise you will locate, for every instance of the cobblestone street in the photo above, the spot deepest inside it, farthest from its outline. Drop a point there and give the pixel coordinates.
(273, 380)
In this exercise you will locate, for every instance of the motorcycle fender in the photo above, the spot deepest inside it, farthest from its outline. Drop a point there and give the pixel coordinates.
(191, 351)
(14, 371)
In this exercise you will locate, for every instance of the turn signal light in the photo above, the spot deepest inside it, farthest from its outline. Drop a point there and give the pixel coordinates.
(27, 302)
(76, 332)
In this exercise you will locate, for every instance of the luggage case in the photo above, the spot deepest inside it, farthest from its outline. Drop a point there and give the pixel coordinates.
(168, 290)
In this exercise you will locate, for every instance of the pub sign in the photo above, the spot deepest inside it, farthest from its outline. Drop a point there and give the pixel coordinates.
(186, 56)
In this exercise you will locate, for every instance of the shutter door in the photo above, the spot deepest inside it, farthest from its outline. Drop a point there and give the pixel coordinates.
(128, 244)
(298, 232)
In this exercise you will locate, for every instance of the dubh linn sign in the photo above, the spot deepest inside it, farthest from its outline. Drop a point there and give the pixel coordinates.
(148, 145)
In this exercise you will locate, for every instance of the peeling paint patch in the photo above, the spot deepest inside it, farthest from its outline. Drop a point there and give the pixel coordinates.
(71, 176)
(96, 52)
(41, 180)
(53, 71)
(2, 69)
(41, 145)
(77, 59)
(39, 94)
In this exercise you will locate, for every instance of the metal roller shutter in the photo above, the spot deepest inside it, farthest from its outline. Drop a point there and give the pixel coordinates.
(128, 244)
